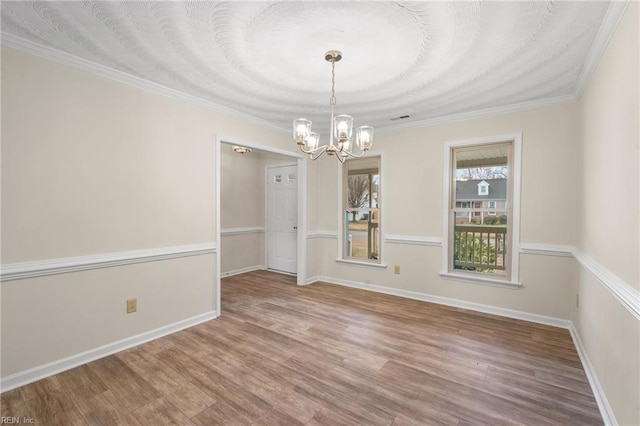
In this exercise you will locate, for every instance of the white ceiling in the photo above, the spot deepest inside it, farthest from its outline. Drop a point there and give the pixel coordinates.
(266, 59)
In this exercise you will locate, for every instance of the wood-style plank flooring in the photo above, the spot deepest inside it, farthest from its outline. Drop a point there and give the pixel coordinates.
(325, 354)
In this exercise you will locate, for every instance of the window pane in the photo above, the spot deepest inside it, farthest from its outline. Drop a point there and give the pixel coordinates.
(358, 191)
(362, 234)
(480, 241)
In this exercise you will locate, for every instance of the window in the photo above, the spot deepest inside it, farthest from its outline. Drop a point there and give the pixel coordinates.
(481, 210)
(491, 205)
(483, 188)
(361, 212)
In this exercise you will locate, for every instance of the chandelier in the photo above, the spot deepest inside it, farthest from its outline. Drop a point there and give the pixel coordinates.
(341, 128)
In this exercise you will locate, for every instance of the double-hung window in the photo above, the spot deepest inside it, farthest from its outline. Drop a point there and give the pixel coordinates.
(361, 212)
(482, 209)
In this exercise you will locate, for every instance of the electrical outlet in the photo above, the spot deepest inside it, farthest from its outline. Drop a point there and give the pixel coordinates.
(396, 269)
(132, 305)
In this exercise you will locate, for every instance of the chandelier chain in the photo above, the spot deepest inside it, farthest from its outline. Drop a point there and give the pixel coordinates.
(332, 100)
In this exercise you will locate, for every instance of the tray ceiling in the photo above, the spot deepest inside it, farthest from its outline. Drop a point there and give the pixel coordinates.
(266, 59)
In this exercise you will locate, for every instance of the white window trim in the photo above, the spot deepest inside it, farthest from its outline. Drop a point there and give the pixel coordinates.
(381, 189)
(515, 171)
(362, 263)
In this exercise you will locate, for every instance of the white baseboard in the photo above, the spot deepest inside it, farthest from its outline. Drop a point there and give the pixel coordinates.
(598, 392)
(40, 372)
(526, 316)
(601, 399)
(242, 271)
(311, 280)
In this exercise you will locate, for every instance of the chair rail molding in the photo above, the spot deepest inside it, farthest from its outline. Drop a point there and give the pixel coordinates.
(321, 234)
(413, 240)
(39, 268)
(628, 296)
(243, 230)
(547, 249)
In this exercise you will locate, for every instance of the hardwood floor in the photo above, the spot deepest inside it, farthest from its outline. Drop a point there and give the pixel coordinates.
(325, 354)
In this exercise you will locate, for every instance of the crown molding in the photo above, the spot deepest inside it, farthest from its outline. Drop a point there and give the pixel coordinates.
(505, 109)
(612, 18)
(607, 28)
(55, 55)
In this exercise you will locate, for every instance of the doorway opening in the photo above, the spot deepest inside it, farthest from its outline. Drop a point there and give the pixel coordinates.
(260, 210)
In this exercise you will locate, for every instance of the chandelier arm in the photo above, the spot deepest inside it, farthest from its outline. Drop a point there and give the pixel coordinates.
(352, 155)
(321, 150)
(313, 151)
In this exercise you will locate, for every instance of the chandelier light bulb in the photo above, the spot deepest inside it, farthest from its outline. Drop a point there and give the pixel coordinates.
(364, 137)
(301, 130)
(313, 141)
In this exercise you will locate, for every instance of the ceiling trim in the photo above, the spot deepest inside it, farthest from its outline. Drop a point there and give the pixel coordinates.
(605, 32)
(55, 55)
(614, 14)
(505, 109)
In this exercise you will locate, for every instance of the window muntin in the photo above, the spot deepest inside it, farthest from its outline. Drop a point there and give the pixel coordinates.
(479, 240)
(361, 210)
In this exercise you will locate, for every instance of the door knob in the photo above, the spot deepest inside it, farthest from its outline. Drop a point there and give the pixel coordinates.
(295, 227)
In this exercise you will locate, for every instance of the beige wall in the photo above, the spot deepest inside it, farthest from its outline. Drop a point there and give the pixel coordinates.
(608, 216)
(608, 160)
(412, 180)
(92, 166)
(49, 318)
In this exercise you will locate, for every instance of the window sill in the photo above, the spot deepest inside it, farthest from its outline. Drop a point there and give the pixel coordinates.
(365, 264)
(481, 280)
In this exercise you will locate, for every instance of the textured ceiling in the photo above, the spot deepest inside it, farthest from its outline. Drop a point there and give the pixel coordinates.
(266, 59)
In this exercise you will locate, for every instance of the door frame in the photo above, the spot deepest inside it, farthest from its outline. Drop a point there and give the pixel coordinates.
(266, 211)
(301, 249)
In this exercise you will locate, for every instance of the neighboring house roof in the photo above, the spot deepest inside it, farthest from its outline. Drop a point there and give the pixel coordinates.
(468, 189)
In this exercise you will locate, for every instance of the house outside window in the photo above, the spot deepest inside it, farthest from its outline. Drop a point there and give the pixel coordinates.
(482, 210)
(362, 210)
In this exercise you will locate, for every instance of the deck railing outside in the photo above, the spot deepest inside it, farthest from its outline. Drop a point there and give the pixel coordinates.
(479, 248)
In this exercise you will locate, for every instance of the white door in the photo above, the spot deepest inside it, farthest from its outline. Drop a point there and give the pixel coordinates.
(282, 218)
